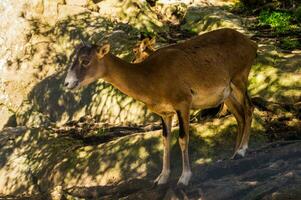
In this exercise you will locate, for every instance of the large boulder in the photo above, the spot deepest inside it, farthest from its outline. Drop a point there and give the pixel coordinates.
(38, 161)
(200, 19)
(37, 43)
(134, 12)
(47, 32)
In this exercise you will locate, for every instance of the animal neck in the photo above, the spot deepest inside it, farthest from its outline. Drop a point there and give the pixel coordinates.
(127, 77)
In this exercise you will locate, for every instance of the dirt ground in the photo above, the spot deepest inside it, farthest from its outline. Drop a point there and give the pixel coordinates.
(270, 172)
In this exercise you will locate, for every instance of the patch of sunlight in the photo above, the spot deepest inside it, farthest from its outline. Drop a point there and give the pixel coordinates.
(257, 125)
(111, 147)
(277, 53)
(290, 79)
(26, 137)
(142, 153)
(154, 134)
(261, 77)
(204, 131)
(173, 1)
(294, 122)
(138, 165)
(293, 93)
(83, 154)
(211, 129)
(80, 112)
(203, 161)
(88, 148)
(124, 55)
(14, 174)
(288, 55)
(63, 119)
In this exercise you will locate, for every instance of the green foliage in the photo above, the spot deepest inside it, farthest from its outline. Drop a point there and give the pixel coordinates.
(289, 44)
(279, 21)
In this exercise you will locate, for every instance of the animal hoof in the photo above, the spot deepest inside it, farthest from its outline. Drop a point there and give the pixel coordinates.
(236, 156)
(184, 179)
(240, 153)
(162, 178)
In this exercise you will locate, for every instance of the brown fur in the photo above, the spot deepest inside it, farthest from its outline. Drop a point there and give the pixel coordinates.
(144, 49)
(199, 73)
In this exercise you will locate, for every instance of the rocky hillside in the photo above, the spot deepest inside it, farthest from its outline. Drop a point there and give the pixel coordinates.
(80, 145)
(39, 36)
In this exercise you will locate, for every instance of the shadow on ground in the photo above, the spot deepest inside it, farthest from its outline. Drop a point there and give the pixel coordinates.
(272, 172)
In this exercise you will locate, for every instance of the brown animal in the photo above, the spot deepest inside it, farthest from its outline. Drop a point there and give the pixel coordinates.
(199, 73)
(143, 50)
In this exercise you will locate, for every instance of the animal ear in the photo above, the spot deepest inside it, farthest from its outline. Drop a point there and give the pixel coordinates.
(151, 44)
(103, 50)
(144, 44)
(152, 41)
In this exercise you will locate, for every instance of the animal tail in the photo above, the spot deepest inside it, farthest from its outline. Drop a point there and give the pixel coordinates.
(209, 113)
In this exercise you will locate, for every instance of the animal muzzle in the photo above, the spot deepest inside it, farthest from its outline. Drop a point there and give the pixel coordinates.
(71, 85)
(71, 81)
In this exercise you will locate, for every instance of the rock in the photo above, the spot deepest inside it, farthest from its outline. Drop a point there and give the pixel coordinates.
(203, 19)
(77, 2)
(14, 171)
(247, 178)
(67, 10)
(33, 8)
(6, 117)
(51, 11)
(134, 12)
(57, 193)
(35, 160)
(172, 12)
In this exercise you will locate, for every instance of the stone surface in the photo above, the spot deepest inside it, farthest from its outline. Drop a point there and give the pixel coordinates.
(44, 162)
(77, 2)
(37, 49)
(70, 10)
(51, 11)
(35, 160)
(45, 36)
(134, 12)
(5, 114)
(273, 173)
(199, 20)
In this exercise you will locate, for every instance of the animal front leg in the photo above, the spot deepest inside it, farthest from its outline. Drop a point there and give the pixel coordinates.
(164, 175)
(183, 141)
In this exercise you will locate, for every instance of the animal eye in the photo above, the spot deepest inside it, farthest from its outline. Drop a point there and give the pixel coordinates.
(85, 62)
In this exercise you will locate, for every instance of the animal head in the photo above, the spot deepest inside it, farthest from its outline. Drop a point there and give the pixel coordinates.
(143, 49)
(87, 65)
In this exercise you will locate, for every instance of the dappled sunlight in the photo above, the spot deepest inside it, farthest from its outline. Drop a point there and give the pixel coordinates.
(62, 160)
(99, 99)
(202, 161)
(202, 19)
(274, 84)
(50, 102)
(65, 161)
(136, 13)
(276, 76)
(37, 160)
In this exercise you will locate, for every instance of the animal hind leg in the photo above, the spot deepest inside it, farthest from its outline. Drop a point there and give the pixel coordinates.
(183, 116)
(248, 111)
(166, 126)
(236, 109)
(242, 98)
